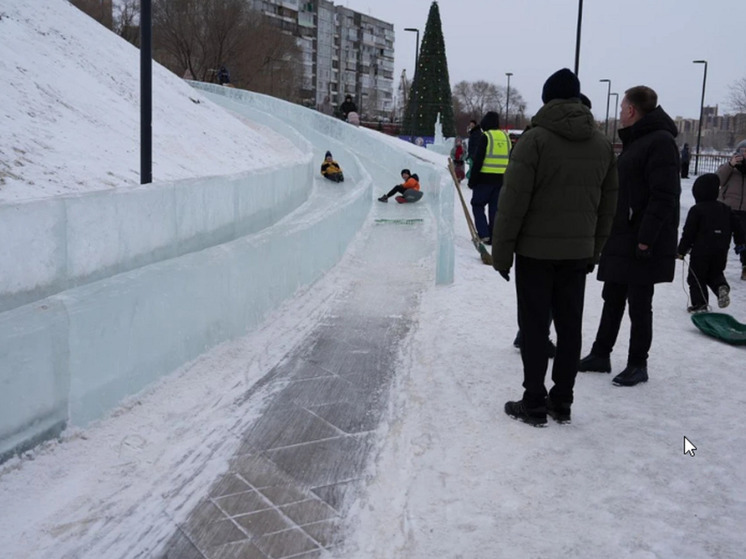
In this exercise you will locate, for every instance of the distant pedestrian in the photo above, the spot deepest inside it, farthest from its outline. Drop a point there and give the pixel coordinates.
(641, 250)
(326, 106)
(555, 213)
(458, 156)
(347, 107)
(486, 177)
(330, 169)
(686, 156)
(733, 189)
(707, 232)
(224, 76)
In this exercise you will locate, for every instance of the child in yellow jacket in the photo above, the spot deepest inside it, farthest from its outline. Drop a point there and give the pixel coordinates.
(331, 169)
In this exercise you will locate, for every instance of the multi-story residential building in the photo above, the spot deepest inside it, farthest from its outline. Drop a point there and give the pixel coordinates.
(719, 132)
(343, 53)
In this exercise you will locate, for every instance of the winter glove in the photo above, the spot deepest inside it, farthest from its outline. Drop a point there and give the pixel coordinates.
(505, 274)
(641, 254)
(739, 249)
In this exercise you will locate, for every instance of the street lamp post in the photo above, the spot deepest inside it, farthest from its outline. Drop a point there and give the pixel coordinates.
(507, 102)
(417, 48)
(701, 112)
(577, 38)
(616, 110)
(412, 114)
(608, 94)
(146, 93)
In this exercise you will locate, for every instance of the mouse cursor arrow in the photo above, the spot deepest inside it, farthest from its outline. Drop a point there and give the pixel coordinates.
(689, 448)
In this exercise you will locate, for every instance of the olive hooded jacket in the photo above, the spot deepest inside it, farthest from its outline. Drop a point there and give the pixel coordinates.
(560, 189)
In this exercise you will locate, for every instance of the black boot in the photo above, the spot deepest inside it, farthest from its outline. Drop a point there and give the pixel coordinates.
(631, 376)
(559, 411)
(595, 364)
(536, 417)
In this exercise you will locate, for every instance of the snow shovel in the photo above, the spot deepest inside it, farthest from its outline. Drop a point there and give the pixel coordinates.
(483, 252)
(721, 326)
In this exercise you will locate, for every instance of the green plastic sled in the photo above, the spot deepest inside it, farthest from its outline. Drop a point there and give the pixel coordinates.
(721, 326)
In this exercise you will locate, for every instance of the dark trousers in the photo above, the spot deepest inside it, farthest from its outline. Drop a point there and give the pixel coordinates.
(742, 219)
(398, 188)
(705, 270)
(684, 169)
(615, 296)
(485, 195)
(550, 288)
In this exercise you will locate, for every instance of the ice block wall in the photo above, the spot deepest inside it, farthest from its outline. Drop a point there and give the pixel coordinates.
(104, 296)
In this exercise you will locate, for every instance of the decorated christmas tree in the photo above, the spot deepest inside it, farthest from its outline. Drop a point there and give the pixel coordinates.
(431, 88)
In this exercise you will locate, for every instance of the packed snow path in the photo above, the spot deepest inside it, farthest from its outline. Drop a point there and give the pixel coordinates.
(298, 467)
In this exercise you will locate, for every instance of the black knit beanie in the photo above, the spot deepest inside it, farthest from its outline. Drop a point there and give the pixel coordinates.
(328, 154)
(563, 84)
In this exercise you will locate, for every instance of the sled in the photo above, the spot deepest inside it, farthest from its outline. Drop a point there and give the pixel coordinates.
(721, 326)
(410, 196)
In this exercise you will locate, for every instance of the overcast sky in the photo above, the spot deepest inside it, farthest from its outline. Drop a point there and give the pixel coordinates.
(630, 42)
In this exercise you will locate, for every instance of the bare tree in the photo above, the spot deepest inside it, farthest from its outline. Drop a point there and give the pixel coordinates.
(195, 37)
(737, 96)
(474, 99)
(127, 21)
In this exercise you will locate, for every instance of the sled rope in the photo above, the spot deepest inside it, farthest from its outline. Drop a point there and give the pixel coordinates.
(684, 274)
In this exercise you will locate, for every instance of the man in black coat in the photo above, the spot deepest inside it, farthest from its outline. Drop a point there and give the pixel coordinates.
(641, 250)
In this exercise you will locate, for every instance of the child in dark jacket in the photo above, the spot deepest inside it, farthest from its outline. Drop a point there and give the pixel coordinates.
(331, 169)
(707, 232)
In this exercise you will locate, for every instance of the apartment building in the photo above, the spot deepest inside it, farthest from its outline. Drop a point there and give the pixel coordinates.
(344, 52)
(719, 132)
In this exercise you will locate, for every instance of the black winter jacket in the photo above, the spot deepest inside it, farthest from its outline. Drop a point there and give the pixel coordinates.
(648, 205)
(474, 135)
(709, 225)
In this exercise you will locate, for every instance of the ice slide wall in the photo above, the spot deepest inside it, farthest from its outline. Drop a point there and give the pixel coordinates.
(124, 287)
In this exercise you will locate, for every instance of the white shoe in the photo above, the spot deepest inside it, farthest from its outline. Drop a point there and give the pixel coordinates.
(723, 296)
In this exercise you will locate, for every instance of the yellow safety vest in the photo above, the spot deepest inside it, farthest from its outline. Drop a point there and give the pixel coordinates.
(498, 151)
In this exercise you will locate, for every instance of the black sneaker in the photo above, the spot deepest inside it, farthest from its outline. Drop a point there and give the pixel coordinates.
(560, 412)
(631, 376)
(723, 296)
(384, 198)
(551, 349)
(698, 308)
(536, 417)
(594, 364)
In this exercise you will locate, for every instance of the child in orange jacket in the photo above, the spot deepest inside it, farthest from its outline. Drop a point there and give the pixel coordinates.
(409, 189)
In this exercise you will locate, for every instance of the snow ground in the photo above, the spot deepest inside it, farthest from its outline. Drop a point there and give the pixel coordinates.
(453, 476)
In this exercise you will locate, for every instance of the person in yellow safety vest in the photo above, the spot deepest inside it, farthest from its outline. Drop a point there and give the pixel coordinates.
(486, 177)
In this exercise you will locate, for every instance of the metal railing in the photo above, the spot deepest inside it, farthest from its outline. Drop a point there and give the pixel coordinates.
(708, 163)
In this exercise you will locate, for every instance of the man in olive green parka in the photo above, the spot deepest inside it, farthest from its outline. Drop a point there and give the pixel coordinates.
(555, 214)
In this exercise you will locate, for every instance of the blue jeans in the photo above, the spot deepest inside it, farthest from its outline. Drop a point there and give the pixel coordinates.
(485, 195)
